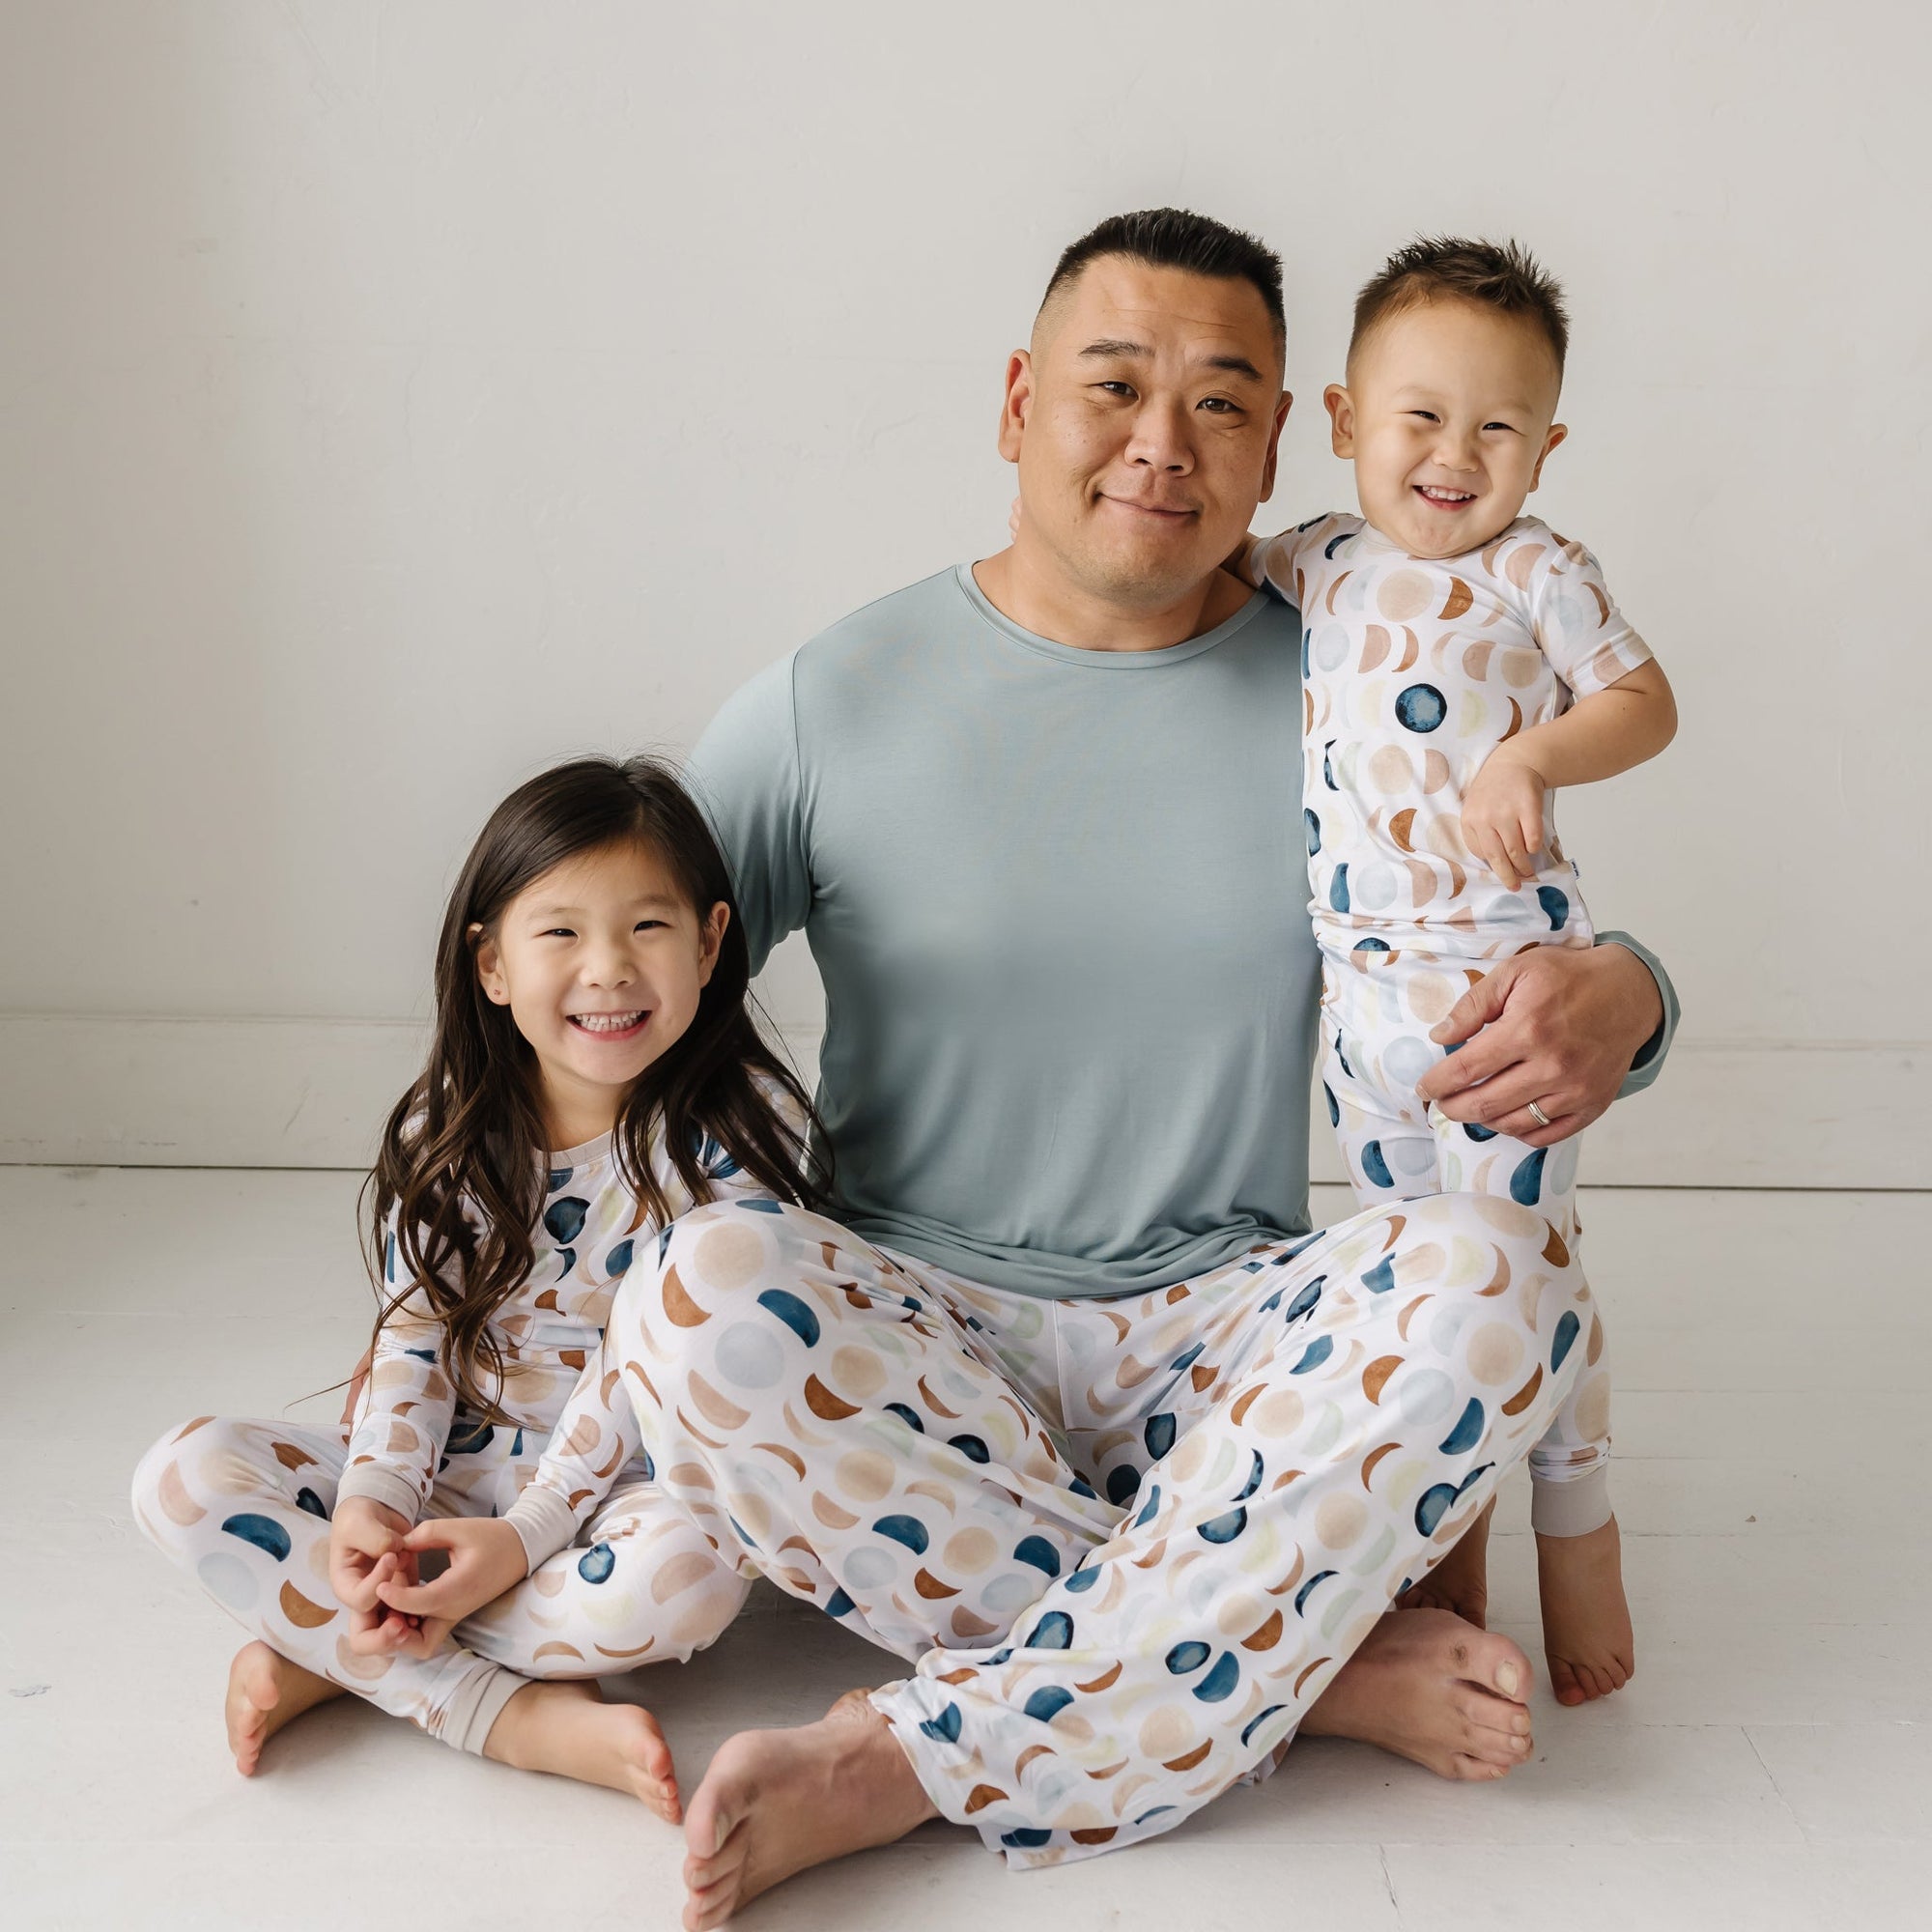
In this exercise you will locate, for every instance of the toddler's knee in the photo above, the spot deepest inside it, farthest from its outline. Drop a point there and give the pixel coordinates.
(1477, 1245)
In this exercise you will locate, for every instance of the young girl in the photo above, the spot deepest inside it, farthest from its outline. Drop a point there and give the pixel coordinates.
(592, 988)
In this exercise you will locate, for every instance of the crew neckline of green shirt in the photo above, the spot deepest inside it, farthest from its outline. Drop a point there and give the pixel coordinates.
(1047, 647)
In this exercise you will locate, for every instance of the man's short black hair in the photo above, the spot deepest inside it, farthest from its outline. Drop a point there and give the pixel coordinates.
(1176, 237)
(1496, 274)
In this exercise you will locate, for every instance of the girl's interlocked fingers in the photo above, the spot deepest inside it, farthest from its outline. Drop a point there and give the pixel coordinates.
(486, 1557)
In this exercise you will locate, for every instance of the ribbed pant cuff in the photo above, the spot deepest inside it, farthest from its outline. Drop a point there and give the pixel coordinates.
(478, 1703)
(1571, 1508)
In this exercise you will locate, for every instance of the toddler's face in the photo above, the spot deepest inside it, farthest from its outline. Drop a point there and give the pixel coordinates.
(600, 962)
(1448, 417)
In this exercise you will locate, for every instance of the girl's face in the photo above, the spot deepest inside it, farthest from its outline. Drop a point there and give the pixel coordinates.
(600, 962)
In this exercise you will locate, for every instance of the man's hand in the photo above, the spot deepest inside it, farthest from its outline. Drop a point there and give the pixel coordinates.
(486, 1557)
(1557, 1025)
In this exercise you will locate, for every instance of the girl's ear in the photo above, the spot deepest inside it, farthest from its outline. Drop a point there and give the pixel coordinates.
(710, 937)
(489, 964)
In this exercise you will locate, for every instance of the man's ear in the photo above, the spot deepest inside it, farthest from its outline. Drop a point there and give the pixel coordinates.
(1282, 408)
(710, 937)
(1016, 405)
(1341, 407)
(1557, 433)
(489, 965)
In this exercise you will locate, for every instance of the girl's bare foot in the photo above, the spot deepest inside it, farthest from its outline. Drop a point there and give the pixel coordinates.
(567, 1728)
(1461, 1583)
(1435, 1691)
(1586, 1621)
(265, 1692)
(774, 1803)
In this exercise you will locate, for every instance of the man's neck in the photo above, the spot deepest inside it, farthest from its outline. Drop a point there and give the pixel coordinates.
(1042, 601)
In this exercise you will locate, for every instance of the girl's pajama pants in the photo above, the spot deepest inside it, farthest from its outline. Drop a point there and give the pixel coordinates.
(244, 1507)
(1130, 1542)
(1376, 1010)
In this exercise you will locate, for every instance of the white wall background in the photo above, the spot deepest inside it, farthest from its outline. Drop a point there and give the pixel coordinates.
(395, 398)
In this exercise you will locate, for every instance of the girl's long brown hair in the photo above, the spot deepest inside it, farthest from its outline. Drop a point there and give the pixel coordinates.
(462, 1156)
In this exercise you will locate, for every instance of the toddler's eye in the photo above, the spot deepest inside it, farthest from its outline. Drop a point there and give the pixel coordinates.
(557, 932)
(1508, 429)
(1426, 416)
(651, 925)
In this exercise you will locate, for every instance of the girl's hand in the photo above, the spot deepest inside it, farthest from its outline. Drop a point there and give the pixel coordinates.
(361, 1533)
(486, 1557)
(1502, 817)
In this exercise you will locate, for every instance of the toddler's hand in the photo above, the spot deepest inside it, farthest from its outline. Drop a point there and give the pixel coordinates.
(486, 1557)
(1502, 817)
(361, 1533)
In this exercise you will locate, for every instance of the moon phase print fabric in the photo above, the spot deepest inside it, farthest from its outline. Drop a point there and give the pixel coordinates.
(1413, 671)
(244, 1506)
(1129, 1541)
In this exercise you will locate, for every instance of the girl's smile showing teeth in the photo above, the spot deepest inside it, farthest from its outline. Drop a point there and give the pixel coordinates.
(609, 1026)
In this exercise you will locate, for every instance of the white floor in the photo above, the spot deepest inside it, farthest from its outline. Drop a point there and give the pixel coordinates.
(1771, 1767)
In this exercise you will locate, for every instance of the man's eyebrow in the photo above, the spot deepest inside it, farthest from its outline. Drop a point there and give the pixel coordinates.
(1114, 349)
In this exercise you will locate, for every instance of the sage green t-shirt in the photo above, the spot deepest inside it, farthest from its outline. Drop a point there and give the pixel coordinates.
(1059, 900)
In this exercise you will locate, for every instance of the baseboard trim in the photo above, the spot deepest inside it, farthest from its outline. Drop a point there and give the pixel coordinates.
(85, 1090)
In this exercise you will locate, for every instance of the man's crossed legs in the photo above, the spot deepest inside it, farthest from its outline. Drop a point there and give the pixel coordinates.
(1131, 1544)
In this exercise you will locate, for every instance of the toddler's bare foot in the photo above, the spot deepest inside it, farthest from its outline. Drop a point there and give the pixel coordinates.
(265, 1692)
(1435, 1691)
(1461, 1583)
(774, 1803)
(1586, 1623)
(567, 1728)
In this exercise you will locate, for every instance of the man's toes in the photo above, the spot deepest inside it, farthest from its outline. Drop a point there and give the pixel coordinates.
(711, 1906)
(1492, 1717)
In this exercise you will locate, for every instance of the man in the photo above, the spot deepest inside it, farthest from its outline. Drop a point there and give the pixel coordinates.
(1072, 1410)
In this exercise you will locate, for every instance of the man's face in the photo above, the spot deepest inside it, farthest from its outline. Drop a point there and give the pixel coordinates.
(1143, 422)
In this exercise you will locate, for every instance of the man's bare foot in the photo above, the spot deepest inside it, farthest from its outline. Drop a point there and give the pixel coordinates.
(1435, 1690)
(774, 1803)
(1461, 1583)
(265, 1692)
(1586, 1621)
(567, 1728)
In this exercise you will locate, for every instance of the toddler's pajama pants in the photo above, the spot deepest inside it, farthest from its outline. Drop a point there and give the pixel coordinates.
(244, 1507)
(1376, 1010)
(1130, 1542)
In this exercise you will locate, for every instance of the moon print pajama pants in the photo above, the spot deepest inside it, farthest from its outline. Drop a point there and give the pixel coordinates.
(1376, 1010)
(1126, 1543)
(244, 1508)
